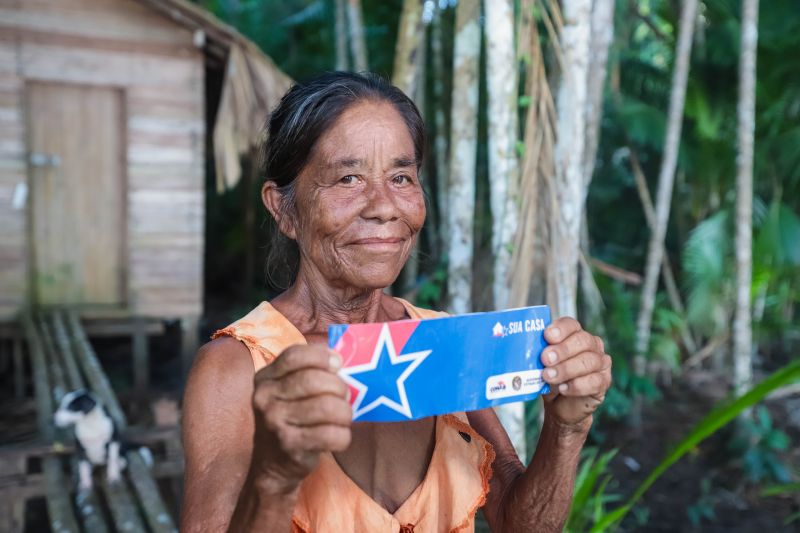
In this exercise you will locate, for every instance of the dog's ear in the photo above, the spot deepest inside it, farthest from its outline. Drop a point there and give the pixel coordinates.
(83, 402)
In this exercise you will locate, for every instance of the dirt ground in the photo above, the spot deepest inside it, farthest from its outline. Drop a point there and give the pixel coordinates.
(734, 501)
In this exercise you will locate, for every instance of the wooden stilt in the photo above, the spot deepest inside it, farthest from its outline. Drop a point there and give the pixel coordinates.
(141, 358)
(189, 342)
(19, 367)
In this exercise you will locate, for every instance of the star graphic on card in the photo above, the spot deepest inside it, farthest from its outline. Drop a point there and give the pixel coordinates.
(381, 381)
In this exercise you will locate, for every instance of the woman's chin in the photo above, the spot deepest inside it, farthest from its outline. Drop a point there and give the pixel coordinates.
(375, 278)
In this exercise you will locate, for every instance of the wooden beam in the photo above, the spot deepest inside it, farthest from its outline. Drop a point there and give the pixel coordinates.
(19, 368)
(59, 508)
(122, 505)
(123, 327)
(158, 518)
(94, 373)
(141, 358)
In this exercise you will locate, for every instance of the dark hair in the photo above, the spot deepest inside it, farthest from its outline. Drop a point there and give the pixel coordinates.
(305, 113)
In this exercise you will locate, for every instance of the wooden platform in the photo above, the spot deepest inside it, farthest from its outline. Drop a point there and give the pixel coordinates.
(62, 360)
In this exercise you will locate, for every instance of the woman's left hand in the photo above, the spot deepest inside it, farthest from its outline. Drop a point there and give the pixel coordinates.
(578, 371)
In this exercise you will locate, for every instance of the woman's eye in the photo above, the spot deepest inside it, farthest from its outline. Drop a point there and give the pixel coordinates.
(402, 179)
(348, 180)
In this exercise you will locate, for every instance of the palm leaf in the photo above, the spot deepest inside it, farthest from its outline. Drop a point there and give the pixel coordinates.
(715, 420)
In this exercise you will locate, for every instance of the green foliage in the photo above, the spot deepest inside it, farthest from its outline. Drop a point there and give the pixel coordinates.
(708, 269)
(431, 288)
(758, 443)
(716, 419)
(665, 339)
(703, 508)
(590, 496)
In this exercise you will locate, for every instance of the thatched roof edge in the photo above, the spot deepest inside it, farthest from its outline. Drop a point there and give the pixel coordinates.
(253, 85)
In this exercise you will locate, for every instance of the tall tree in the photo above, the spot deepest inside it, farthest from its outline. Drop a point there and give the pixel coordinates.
(358, 42)
(464, 135)
(570, 183)
(407, 55)
(440, 126)
(341, 35)
(501, 81)
(666, 179)
(742, 332)
(601, 37)
(602, 34)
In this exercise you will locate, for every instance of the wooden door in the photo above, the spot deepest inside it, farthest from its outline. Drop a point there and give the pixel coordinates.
(76, 161)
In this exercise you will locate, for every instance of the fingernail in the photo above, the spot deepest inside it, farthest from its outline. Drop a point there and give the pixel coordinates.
(563, 387)
(335, 362)
(555, 332)
(551, 373)
(551, 356)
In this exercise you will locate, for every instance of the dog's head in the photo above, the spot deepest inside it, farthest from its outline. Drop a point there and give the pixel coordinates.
(74, 407)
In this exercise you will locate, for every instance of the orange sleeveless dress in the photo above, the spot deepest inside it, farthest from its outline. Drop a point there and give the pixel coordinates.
(454, 487)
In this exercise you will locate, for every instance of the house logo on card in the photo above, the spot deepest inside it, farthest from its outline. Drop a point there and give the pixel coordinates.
(497, 330)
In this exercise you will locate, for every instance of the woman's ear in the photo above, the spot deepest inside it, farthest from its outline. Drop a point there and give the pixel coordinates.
(273, 201)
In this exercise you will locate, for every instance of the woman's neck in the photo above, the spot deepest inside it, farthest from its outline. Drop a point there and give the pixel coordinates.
(312, 305)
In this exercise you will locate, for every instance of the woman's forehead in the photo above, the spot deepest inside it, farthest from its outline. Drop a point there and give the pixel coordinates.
(363, 132)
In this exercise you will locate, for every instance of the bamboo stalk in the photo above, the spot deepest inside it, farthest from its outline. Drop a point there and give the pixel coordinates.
(94, 373)
(59, 509)
(155, 512)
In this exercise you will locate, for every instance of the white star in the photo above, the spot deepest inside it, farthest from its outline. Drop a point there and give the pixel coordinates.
(403, 407)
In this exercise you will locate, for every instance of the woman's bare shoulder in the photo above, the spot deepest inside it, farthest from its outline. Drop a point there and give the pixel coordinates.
(225, 358)
(220, 385)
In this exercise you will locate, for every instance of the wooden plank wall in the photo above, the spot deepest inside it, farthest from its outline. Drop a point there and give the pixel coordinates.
(123, 44)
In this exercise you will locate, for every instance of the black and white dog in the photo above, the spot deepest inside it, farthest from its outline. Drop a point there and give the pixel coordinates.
(96, 434)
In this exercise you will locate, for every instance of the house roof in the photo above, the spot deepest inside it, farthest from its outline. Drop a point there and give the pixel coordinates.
(253, 84)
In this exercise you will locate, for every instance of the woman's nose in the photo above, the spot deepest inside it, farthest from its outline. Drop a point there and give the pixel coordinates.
(380, 204)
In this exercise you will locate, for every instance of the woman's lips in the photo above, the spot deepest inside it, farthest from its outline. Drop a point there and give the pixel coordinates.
(379, 243)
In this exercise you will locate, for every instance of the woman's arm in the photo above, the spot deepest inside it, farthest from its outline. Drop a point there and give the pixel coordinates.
(294, 409)
(218, 432)
(538, 498)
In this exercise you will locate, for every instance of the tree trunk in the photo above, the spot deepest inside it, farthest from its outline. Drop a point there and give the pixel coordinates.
(341, 35)
(358, 44)
(410, 38)
(742, 333)
(501, 79)
(464, 139)
(666, 178)
(569, 155)
(666, 270)
(440, 130)
(602, 35)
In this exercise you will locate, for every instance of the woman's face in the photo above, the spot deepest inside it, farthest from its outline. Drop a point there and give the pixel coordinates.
(359, 200)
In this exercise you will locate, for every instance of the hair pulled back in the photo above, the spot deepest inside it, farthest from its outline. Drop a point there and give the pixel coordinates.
(305, 113)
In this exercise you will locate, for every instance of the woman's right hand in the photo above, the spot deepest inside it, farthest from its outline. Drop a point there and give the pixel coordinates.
(301, 410)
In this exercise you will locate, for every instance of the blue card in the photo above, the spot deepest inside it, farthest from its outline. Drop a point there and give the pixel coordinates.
(411, 369)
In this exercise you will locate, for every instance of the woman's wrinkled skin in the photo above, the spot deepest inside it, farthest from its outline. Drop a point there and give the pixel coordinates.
(249, 442)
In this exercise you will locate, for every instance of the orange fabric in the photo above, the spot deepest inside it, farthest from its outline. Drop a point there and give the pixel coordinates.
(454, 487)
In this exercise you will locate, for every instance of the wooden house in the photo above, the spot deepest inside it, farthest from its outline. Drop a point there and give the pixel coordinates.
(107, 108)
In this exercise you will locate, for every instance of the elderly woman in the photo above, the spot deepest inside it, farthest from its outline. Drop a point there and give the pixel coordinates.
(268, 433)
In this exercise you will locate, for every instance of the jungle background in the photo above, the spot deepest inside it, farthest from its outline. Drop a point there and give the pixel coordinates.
(744, 476)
